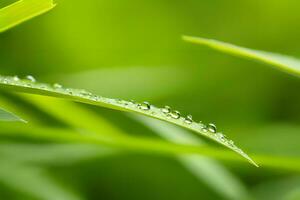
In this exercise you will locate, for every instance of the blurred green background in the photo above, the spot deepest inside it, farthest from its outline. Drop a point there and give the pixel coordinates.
(133, 50)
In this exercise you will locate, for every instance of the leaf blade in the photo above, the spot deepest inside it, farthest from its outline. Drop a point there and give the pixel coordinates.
(21, 11)
(284, 63)
(30, 87)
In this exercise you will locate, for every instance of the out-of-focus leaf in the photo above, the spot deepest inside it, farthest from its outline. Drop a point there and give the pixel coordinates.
(33, 182)
(71, 114)
(22, 11)
(8, 116)
(54, 154)
(32, 87)
(282, 62)
(207, 170)
(141, 145)
(125, 143)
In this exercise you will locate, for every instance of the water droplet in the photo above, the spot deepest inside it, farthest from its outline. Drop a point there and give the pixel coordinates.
(166, 110)
(212, 128)
(188, 119)
(175, 114)
(221, 137)
(16, 78)
(30, 78)
(69, 91)
(57, 85)
(204, 129)
(131, 102)
(231, 143)
(144, 106)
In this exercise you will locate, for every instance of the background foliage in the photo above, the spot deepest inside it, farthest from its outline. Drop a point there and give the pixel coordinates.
(133, 50)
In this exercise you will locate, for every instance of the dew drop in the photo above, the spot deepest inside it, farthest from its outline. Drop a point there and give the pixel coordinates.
(166, 110)
(204, 129)
(231, 143)
(188, 119)
(30, 78)
(144, 106)
(131, 102)
(16, 78)
(212, 128)
(221, 137)
(175, 114)
(69, 91)
(57, 85)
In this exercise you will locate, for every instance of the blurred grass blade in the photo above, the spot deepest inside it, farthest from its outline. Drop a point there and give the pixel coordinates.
(54, 154)
(33, 182)
(22, 11)
(56, 90)
(71, 114)
(128, 144)
(125, 143)
(285, 63)
(8, 116)
(207, 170)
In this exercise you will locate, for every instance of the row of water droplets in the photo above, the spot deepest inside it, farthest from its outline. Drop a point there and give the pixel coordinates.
(30, 82)
(209, 130)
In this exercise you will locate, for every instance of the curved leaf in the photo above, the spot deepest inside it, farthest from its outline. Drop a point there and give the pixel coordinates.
(282, 62)
(22, 11)
(32, 87)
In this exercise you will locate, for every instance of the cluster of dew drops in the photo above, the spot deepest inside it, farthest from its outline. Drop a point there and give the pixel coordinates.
(209, 129)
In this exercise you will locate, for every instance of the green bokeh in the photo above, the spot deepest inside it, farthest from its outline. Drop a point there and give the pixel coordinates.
(130, 41)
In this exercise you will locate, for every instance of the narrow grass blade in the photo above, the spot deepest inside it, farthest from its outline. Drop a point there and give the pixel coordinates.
(55, 90)
(124, 143)
(142, 145)
(71, 114)
(53, 154)
(8, 116)
(22, 11)
(285, 63)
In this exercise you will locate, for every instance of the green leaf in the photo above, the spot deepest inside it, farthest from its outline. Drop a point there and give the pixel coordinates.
(32, 87)
(22, 11)
(53, 154)
(124, 143)
(285, 63)
(144, 145)
(8, 116)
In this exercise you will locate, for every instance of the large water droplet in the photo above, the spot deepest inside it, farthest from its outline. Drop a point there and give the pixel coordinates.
(166, 110)
(188, 119)
(175, 114)
(212, 128)
(30, 78)
(144, 106)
